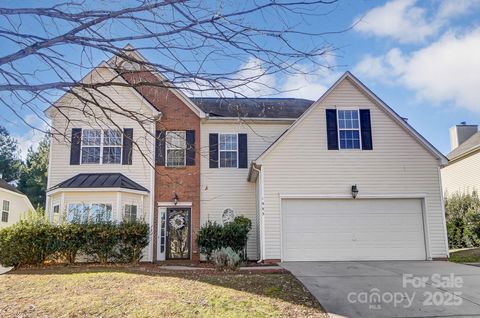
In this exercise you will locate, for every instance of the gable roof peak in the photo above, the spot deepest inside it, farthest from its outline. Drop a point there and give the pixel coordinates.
(363, 88)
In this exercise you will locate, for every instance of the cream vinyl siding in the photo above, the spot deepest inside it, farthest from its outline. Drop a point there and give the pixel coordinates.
(19, 207)
(143, 147)
(223, 188)
(462, 175)
(60, 168)
(398, 164)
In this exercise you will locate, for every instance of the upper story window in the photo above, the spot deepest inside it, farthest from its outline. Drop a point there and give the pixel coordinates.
(228, 150)
(5, 210)
(349, 129)
(175, 147)
(101, 146)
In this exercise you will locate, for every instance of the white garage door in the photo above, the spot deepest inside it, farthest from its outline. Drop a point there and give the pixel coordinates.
(361, 229)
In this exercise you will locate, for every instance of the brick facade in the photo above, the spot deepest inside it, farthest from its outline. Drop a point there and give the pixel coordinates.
(184, 181)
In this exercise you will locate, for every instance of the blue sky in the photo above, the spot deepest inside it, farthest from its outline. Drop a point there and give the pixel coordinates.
(421, 57)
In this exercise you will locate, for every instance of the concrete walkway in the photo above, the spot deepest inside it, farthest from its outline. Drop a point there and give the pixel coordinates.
(392, 289)
(3, 270)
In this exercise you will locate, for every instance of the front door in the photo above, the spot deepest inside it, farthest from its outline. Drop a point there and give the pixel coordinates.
(178, 233)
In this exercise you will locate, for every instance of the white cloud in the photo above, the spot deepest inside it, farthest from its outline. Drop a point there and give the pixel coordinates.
(30, 139)
(446, 71)
(448, 9)
(254, 80)
(398, 19)
(407, 22)
(33, 136)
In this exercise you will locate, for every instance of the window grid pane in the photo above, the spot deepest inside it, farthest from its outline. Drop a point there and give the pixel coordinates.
(91, 137)
(112, 137)
(175, 140)
(4, 216)
(175, 158)
(112, 154)
(130, 212)
(175, 145)
(6, 205)
(349, 129)
(228, 150)
(228, 159)
(91, 155)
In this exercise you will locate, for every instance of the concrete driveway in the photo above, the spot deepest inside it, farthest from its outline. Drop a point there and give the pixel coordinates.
(392, 289)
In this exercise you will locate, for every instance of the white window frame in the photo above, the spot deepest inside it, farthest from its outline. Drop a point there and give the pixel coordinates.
(112, 217)
(101, 146)
(124, 217)
(7, 211)
(177, 132)
(219, 150)
(58, 208)
(359, 129)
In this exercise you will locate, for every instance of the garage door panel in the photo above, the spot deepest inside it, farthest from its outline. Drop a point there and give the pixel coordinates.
(352, 230)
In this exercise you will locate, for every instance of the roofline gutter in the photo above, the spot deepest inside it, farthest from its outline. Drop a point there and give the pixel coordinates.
(248, 119)
(113, 189)
(464, 155)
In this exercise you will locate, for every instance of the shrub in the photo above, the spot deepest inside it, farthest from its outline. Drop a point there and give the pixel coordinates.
(101, 240)
(226, 258)
(235, 235)
(209, 238)
(133, 237)
(28, 242)
(213, 236)
(462, 212)
(34, 240)
(71, 238)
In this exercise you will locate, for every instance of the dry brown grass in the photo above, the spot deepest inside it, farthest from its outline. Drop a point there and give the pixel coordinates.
(132, 292)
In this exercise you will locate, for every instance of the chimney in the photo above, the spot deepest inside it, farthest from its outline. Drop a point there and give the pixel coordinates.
(460, 133)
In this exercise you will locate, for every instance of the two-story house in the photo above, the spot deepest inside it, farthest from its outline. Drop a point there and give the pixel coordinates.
(342, 178)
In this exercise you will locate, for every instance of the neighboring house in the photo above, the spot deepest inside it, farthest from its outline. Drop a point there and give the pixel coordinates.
(290, 165)
(462, 174)
(15, 205)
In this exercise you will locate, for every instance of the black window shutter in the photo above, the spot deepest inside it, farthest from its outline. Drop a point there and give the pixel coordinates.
(332, 133)
(242, 151)
(190, 140)
(366, 129)
(127, 146)
(160, 147)
(76, 146)
(213, 150)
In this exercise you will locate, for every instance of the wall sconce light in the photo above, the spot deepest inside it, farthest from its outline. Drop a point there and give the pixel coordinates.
(354, 191)
(175, 199)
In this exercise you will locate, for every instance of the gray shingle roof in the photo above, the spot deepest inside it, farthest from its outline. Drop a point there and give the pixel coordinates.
(5, 185)
(100, 180)
(468, 145)
(252, 107)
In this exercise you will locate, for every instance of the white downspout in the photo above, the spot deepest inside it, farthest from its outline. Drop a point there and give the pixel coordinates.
(260, 210)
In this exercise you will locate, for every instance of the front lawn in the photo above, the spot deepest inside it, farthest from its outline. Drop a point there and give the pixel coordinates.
(466, 255)
(130, 292)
